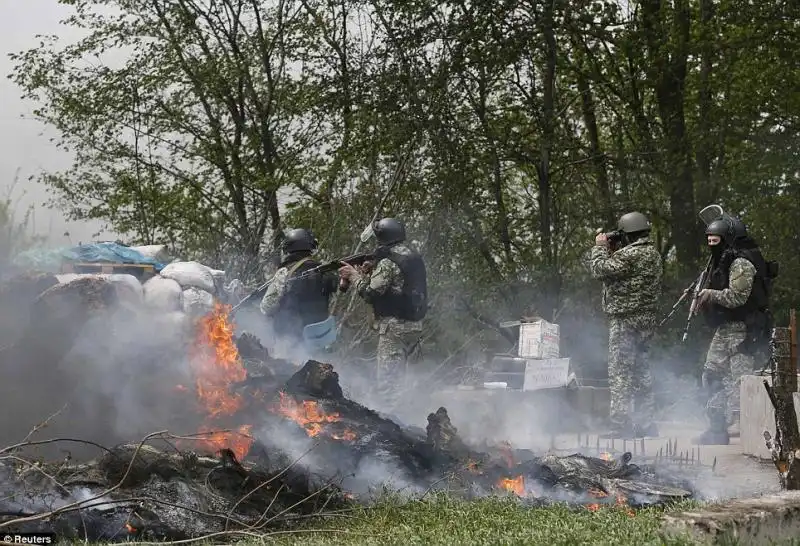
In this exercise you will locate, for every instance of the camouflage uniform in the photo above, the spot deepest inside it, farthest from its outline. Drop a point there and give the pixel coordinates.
(397, 339)
(726, 362)
(631, 290)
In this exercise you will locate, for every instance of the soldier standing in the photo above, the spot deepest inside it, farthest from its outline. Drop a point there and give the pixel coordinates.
(295, 299)
(631, 279)
(736, 305)
(397, 289)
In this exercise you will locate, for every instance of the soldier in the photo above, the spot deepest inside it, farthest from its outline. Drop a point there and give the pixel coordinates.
(631, 279)
(736, 305)
(397, 289)
(294, 300)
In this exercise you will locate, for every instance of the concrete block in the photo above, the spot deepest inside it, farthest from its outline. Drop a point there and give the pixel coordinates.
(770, 519)
(757, 415)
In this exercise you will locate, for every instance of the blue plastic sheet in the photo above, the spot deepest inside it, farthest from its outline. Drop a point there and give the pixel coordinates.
(50, 260)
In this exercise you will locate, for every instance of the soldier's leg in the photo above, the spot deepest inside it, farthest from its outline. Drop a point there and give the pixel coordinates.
(391, 366)
(715, 372)
(644, 398)
(621, 360)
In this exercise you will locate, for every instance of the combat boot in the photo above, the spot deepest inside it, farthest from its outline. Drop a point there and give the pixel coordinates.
(716, 434)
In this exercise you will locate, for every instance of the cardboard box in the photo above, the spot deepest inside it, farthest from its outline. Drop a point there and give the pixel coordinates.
(539, 339)
(549, 373)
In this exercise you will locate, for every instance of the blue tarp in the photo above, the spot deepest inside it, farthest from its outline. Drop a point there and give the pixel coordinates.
(50, 260)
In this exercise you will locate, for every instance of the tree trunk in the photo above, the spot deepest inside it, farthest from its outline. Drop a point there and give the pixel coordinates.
(786, 444)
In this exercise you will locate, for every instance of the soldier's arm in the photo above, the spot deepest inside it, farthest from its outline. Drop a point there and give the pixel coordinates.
(272, 299)
(607, 265)
(740, 283)
(378, 282)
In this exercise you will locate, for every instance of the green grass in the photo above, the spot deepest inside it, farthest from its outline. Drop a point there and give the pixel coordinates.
(443, 520)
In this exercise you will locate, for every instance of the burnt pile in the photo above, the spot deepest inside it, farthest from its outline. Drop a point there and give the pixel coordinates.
(277, 444)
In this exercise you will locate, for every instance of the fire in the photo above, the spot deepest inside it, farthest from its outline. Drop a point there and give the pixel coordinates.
(216, 363)
(216, 366)
(238, 441)
(594, 507)
(514, 485)
(308, 415)
(606, 456)
(130, 528)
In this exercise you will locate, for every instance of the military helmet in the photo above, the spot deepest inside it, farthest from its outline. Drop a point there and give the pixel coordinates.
(722, 227)
(297, 240)
(739, 228)
(389, 231)
(633, 222)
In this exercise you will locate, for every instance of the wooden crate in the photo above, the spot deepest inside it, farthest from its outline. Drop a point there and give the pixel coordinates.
(140, 271)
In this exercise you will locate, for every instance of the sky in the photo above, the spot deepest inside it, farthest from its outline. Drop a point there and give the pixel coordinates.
(24, 143)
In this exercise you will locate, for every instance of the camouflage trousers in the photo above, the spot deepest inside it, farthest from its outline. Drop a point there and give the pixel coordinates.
(629, 376)
(725, 365)
(398, 341)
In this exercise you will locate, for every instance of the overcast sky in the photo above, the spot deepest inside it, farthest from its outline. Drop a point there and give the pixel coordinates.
(24, 143)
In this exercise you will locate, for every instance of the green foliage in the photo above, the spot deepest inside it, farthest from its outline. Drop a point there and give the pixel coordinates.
(442, 520)
(508, 132)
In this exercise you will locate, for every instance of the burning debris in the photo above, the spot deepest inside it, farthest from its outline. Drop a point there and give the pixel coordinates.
(273, 446)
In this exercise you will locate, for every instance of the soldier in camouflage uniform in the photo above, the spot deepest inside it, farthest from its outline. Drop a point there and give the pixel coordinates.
(294, 298)
(397, 289)
(736, 305)
(631, 279)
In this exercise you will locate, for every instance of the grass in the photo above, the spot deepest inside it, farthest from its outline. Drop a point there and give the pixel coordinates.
(443, 520)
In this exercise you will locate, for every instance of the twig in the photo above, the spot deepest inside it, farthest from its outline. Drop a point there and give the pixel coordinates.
(80, 503)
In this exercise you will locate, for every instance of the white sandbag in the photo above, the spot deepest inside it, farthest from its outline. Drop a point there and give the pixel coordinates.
(197, 302)
(190, 275)
(128, 287)
(155, 252)
(163, 294)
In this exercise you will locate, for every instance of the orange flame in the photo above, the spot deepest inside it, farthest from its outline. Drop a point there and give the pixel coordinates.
(606, 456)
(216, 363)
(130, 528)
(593, 507)
(216, 366)
(473, 467)
(238, 441)
(514, 485)
(307, 414)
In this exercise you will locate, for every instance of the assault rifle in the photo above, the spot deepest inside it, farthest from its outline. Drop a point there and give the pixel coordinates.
(355, 260)
(693, 291)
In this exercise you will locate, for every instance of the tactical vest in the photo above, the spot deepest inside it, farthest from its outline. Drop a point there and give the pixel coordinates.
(758, 301)
(412, 302)
(304, 301)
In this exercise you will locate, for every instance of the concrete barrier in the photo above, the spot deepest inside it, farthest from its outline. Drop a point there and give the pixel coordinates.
(757, 415)
(764, 520)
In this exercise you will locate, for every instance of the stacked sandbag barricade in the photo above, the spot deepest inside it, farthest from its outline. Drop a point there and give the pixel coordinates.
(190, 288)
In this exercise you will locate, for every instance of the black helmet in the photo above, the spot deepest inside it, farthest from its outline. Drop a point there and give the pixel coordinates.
(297, 240)
(389, 231)
(724, 228)
(633, 222)
(739, 229)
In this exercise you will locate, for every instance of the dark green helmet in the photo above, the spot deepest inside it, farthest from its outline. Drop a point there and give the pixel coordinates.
(633, 222)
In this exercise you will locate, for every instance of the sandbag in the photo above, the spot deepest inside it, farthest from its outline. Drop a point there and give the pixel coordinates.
(156, 252)
(190, 275)
(197, 302)
(163, 294)
(128, 287)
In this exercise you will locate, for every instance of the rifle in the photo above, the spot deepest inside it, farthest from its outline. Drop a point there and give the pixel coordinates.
(696, 288)
(247, 298)
(354, 260)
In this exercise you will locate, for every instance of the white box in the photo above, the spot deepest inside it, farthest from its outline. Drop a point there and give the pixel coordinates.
(550, 373)
(539, 339)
